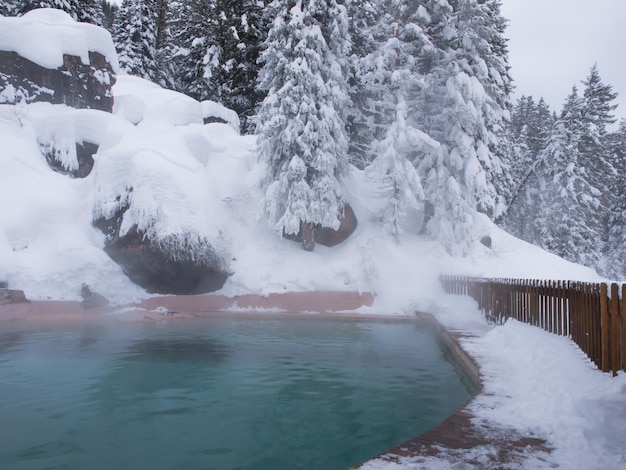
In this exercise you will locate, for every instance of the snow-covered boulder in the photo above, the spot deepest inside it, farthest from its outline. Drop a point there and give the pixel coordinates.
(158, 207)
(137, 99)
(69, 138)
(46, 56)
(216, 112)
(328, 236)
(173, 265)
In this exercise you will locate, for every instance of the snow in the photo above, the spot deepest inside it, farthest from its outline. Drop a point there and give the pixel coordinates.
(543, 386)
(205, 180)
(137, 99)
(44, 35)
(211, 109)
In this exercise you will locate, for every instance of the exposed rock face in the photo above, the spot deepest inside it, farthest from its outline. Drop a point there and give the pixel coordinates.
(84, 154)
(327, 236)
(75, 84)
(157, 267)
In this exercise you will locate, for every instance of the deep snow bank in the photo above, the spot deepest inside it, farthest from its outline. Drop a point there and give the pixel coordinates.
(175, 182)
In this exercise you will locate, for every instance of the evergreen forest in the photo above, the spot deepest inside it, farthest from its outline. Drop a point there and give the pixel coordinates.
(418, 94)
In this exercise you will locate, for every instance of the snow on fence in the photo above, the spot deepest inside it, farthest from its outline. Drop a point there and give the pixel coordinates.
(593, 315)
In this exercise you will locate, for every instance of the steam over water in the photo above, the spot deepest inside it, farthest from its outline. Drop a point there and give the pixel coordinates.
(221, 393)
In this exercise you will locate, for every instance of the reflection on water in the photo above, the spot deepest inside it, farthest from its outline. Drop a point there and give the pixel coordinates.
(178, 350)
(225, 392)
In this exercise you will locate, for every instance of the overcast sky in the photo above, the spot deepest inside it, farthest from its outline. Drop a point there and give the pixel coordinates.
(554, 43)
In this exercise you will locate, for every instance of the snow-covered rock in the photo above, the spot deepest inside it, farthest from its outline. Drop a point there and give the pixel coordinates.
(216, 112)
(137, 99)
(46, 56)
(329, 236)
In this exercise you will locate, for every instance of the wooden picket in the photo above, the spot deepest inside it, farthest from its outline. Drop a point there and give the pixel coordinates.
(593, 315)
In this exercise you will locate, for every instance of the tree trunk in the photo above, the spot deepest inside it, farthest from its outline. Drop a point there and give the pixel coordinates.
(308, 236)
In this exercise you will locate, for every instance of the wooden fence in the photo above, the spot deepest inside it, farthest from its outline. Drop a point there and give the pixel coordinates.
(593, 315)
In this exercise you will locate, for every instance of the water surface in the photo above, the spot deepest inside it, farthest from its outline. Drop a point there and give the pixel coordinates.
(226, 392)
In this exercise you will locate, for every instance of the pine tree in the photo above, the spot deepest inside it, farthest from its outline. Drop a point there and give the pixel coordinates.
(529, 131)
(231, 68)
(189, 35)
(594, 150)
(87, 11)
(9, 7)
(218, 50)
(396, 177)
(364, 118)
(614, 264)
(465, 98)
(109, 12)
(134, 34)
(301, 122)
(571, 223)
(392, 74)
(560, 207)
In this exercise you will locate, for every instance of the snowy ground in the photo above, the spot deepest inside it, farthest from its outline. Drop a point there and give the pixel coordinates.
(543, 386)
(204, 178)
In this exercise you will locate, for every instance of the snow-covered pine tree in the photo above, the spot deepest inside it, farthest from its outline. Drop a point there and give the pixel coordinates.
(560, 203)
(363, 117)
(218, 46)
(188, 49)
(9, 7)
(393, 74)
(394, 175)
(237, 31)
(109, 12)
(86, 11)
(301, 122)
(614, 264)
(466, 98)
(529, 130)
(595, 154)
(134, 34)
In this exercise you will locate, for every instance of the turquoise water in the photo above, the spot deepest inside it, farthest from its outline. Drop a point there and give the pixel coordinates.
(227, 392)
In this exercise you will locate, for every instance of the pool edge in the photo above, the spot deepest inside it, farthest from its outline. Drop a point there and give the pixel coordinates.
(458, 434)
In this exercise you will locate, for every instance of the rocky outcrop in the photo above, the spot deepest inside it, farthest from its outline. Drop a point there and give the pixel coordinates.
(162, 267)
(76, 68)
(74, 84)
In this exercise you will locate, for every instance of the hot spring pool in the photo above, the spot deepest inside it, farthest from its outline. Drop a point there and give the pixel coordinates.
(224, 392)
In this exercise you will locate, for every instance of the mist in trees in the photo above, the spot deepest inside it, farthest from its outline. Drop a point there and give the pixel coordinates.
(570, 195)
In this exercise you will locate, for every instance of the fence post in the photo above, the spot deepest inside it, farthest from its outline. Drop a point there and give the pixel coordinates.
(604, 326)
(622, 312)
(615, 333)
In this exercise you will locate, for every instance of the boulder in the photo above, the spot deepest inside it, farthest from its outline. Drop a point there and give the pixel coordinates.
(92, 299)
(162, 267)
(327, 236)
(11, 296)
(76, 66)
(486, 240)
(331, 237)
